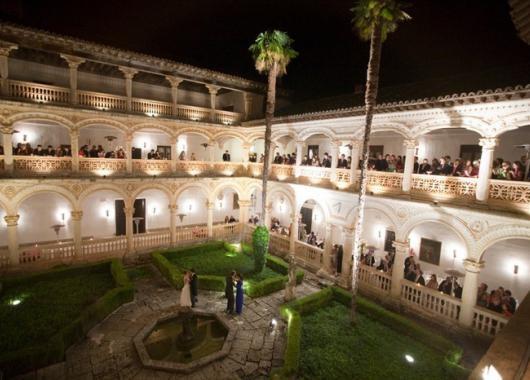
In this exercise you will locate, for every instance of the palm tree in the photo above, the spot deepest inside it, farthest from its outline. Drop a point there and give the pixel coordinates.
(373, 20)
(272, 52)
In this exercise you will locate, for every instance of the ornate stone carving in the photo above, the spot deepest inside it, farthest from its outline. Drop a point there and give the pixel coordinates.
(409, 143)
(402, 213)
(488, 143)
(473, 266)
(10, 191)
(11, 220)
(77, 215)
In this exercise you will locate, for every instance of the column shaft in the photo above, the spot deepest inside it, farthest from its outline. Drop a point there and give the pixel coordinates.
(328, 246)
(74, 149)
(128, 153)
(12, 238)
(346, 268)
(78, 238)
(334, 151)
(7, 143)
(173, 208)
(294, 234)
(402, 250)
(129, 232)
(410, 146)
(5, 49)
(469, 291)
(355, 154)
(484, 174)
(299, 156)
(210, 206)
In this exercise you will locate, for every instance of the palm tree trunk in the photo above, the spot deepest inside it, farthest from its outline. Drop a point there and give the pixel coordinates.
(269, 114)
(372, 82)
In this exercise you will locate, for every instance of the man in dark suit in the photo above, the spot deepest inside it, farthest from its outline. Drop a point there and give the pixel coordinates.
(326, 162)
(226, 156)
(193, 287)
(229, 293)
(342, 162)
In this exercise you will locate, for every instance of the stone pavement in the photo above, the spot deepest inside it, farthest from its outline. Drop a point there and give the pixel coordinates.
(108, 351)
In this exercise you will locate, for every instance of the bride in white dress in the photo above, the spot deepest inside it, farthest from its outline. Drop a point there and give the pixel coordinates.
(185, 294)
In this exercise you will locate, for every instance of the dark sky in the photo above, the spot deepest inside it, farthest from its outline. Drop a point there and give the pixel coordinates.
(445, 37)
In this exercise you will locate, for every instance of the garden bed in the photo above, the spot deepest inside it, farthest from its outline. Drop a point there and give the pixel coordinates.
(321, 343)
(213, 261)
(43, 314)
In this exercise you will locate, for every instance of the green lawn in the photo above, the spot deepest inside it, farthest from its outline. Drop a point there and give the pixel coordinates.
(332, 349)
(220, 262)
(47, 305)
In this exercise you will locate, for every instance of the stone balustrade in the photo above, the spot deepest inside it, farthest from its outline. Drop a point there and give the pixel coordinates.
(310, 256)
(488, 322)
(40, 93)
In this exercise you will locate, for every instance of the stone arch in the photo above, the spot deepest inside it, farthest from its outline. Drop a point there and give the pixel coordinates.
(203, 188)
(512, 122)
(223, 186)
(283, 133)
(456, 225)
(471, 123)
(105, 122)
(160, 127)
(37, 189)
(249, 189)
(6, 205)
(497, 234)
(307, 133)
(400, 128)
(221, 136)
(104, 186)
(289, 195)
(40, 116)
(322, 205)
(387, 211)
(253, 136)
(196, 131)
(154, 186)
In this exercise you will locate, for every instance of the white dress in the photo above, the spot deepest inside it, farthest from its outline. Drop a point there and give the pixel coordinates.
(185, 294)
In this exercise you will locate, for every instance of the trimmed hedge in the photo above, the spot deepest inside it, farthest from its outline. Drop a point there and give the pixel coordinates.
(292, 311)
(174, 274)
(52, 351)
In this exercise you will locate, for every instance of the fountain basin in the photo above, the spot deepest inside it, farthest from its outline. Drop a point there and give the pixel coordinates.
(184, 341)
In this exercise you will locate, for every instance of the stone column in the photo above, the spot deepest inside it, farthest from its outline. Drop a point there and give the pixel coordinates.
(271, 156)
(128, 153)
(77, 216)
(293, 238)
(334, 151)
(299, 156)
(355, 156)
(74, 149)
(174, 82)
(129, 232)
(213, 89)
(209, 222)
(484, 174)
(246, 152)
(73, 64)
(347, 248)
(244, 210)
(211, 150)
(12, 238)
(247, 101)
(469, 291)
(129, 74)
(402, 251)
(410, 146)
(267, 218)
(7, 143)
(328, 246)
(5, 49)
(173, 208)
(174, 154)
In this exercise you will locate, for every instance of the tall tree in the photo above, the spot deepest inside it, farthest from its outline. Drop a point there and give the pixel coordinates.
(373, 20)
(272, 52)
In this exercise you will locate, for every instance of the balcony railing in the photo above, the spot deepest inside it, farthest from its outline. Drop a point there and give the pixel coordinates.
(311, 256)
(37, 164)
(102, 166)
(108, 102)
(371, 279)
(488, 322)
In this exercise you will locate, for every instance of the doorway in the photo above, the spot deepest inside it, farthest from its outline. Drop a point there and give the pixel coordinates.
(470, 152)
(139, 212)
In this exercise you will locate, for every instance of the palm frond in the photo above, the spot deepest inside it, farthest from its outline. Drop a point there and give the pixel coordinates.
(270, 48)
(385, 13)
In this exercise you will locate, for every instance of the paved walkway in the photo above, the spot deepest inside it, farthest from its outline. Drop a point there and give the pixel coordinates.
(108, 352)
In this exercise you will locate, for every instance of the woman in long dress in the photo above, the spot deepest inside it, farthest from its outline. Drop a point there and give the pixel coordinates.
(185, 294)
(239, 294)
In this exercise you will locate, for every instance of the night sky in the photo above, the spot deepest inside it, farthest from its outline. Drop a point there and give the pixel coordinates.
(445, 38)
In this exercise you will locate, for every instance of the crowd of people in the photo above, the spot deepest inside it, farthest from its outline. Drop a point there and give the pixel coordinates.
(25, 149)
(499, 300)
(95, 152)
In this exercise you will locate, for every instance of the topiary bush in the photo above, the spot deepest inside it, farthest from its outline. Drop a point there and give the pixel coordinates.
(260, 244)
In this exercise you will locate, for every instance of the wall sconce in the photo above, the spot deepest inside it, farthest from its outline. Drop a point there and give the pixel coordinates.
(154, 210)
(220, 204)
(454, 254)
(62, 216)
(107, 213)
(515, 269)
(190, 207)
(379, 234)
(25, 138)
(145, 144)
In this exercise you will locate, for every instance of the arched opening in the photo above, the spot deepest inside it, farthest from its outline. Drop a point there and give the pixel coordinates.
(387, 153)
(232, 146)
(100, 214)
(378, 235)
(193, 147)
(44, 218)
(255, 205)
(506, 265)
(41, 138)
(226, 206)
(192, 209)
(257, 150)
(439, 251)
(281, 212)
(285, 153)
(312, 223)
(102, 141)
(512, 155)
(154, 209)
(151, 143)
(438, 154)
(317, 151)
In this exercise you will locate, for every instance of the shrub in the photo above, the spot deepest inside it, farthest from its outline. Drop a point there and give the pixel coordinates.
(260, 245)
(267, 286)
(170, 272)
(209, 282)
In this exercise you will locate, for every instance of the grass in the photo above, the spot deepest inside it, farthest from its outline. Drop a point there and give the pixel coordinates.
(138, 273)
(47, 305)
(332, 349)
(221, 262)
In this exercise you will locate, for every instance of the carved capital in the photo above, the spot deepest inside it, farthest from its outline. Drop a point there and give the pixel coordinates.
(409, 143)
(401, 246)
(247, 97)
(473, 266)
(210, 205)
(348, 232)
(174, 81)
(128, 72)
(6, 128)
(129, 211)
(12, 220)
(77, 215)
(356, 144)
(7, 47)
(213, 89)
(488, 143)
(72, 60)
(173, 208)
